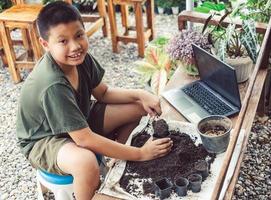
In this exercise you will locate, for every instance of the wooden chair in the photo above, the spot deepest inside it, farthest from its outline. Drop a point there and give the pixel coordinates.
(23, 16)
(142, 33)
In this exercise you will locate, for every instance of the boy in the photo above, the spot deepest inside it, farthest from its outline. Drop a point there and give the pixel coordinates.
(58, 127)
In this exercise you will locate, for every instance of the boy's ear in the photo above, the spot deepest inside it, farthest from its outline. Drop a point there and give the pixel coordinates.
(44, 44)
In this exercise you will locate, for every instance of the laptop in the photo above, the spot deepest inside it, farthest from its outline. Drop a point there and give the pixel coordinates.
(216, 93)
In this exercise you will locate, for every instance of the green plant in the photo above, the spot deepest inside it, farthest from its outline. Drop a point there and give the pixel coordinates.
(4, 4)
(259, 10)
(162, 3)
(234, 42)
(155, 68)
(160, 42)
(208, 6)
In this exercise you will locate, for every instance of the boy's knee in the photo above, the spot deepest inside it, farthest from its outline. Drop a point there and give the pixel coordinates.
(87, 165)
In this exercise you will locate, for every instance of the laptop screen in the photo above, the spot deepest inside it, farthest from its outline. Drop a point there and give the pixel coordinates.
(217, 75)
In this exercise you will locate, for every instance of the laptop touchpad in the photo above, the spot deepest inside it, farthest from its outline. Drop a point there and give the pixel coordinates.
(184, 103)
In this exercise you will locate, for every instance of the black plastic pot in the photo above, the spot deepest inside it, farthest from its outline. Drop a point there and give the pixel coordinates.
(202, 168)
(181, 185)
(163, 188)
(195, 181)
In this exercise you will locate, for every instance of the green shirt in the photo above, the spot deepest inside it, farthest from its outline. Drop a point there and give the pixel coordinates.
(50, 106)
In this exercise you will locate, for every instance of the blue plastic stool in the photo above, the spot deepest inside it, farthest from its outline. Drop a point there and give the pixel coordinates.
(61, 186)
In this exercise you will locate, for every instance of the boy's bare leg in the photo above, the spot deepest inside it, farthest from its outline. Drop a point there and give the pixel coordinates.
(83, 166)
(122, 118)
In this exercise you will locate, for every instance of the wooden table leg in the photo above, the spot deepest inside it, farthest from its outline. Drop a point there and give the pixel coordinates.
(150, 17)
(2, 54)
(124, 18)
(34, 42)
(140, 29)
(113, 25)
(103, 14)
(9, 51)
(27, 46)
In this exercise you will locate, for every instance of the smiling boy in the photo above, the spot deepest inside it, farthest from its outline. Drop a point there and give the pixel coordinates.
(60, 129)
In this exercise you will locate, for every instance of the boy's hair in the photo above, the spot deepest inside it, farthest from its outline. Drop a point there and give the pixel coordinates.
(54, 14)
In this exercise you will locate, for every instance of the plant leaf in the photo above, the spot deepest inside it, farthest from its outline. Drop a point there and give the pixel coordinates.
(158, 81)
(206, 23)
(249, 39)
(221, 49)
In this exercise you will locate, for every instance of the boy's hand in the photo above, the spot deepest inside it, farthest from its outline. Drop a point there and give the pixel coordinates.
(151, 103)
(155, 149)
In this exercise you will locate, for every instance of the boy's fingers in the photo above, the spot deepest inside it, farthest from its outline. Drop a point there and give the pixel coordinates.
(162, 141)
(165, 145)
(157, 109)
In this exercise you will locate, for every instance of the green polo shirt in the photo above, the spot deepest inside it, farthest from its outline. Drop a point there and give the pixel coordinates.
(48, 103)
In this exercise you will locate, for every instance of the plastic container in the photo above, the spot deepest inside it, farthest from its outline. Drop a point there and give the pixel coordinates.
(202, 168)
(181, 185)
(163, 188)
(195, 181)
(215, 143)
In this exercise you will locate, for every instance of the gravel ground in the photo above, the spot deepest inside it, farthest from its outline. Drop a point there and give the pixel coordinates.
(17, 177)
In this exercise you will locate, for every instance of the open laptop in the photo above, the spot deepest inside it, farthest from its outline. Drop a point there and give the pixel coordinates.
(216, 93)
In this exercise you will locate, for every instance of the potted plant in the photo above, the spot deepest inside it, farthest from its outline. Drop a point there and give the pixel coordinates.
(175, 6)
(155, 68)
(236, 46)
(161, 5)
(180, 49)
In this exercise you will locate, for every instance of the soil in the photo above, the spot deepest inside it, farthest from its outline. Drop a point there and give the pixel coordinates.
(181, 182)
(160, 128)
(201, 165)
(178, 163)
(163, 184)
(213, 131)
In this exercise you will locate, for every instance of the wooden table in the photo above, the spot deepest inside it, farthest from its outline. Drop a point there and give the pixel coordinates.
(250, 92)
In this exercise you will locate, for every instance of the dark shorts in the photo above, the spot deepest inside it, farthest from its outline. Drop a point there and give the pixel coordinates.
(43, 155)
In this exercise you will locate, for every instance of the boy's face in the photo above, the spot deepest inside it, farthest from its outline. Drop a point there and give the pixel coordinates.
(67, 43)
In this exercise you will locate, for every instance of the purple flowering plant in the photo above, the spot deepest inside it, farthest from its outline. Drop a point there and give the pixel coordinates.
(180, 48)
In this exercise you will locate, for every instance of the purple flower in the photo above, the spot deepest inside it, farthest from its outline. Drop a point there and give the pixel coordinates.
(180, 46)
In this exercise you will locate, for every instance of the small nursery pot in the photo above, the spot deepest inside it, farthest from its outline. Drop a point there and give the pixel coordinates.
(202, 168)
(181, 186)
(215, 131)
(163, 188)
(195, 181)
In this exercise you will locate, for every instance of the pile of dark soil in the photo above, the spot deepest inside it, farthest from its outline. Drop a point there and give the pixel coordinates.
(179, 162)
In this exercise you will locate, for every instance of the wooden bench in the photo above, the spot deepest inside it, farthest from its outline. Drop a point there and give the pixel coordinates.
(250, 92)
(193, 16)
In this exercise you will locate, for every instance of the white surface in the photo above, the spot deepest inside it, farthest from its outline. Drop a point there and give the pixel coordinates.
(111, 184)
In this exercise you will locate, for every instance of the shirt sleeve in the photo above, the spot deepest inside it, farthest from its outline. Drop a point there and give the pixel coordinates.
(96, 71)
(61, 110)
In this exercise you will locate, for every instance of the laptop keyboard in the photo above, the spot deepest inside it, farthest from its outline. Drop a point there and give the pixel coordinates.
(207, 100)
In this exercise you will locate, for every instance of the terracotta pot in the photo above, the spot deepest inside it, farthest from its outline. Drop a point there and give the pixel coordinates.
(242, 66)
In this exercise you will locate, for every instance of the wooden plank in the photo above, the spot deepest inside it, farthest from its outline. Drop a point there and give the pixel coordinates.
(89, 18)
(197, 17)
(21, 13)
(25, 64)
(8, 48)
(97, 25)
(126, 39)
(103, 15)
(150, 18)
(113, 25)
(124, 18)
(139, 29)
(247, 124)
(242, 114)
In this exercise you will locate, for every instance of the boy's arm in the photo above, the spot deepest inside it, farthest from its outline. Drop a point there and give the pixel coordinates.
(149, 101)
(98, 144)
